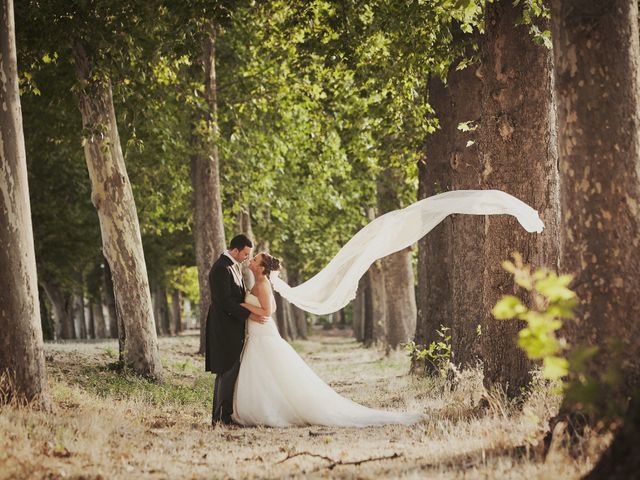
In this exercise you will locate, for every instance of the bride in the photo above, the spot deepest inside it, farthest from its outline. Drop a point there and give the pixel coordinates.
(275, 387)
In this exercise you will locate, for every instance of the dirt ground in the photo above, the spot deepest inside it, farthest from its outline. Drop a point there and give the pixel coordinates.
(106, 424)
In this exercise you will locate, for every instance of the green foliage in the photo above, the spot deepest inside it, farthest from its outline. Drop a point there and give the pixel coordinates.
(551, 301)
(587, 385)
(437, 354)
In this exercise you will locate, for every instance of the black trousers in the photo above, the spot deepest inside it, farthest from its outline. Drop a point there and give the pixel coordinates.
(223, 394)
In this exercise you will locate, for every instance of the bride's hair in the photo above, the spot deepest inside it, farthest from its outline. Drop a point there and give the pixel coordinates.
(270, 263)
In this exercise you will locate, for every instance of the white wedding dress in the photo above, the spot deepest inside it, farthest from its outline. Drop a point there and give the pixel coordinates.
(276, 388)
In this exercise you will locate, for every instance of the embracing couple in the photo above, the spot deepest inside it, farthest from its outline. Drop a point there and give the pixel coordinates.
(260, 379)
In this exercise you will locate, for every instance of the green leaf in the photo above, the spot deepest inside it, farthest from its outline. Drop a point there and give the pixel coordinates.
(508, 307)
(555, 367)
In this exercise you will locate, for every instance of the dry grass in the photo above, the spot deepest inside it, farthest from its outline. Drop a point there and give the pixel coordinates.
(110, 425)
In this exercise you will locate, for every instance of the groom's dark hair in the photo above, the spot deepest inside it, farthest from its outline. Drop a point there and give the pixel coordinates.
(239, 242)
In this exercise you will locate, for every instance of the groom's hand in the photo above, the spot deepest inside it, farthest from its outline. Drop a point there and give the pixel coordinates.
(258, 318)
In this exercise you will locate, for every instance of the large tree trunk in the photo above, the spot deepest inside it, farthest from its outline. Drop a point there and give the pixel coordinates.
(176, 310)
(63, 308)
(22, 370)
(596, 69)
(113, 198)
(468, 231)
(435, 250)
(208, 228)
(518, 143)
(621, 460)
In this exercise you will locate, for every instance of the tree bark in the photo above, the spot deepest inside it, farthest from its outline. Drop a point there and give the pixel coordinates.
(22, 370)
(208, 228)
(176, 310)
(596, 70)
(435, 250)
(113, 198)
(621, 461)
(519, 150)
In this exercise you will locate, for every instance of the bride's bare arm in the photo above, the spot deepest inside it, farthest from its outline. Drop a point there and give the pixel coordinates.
(264, 294)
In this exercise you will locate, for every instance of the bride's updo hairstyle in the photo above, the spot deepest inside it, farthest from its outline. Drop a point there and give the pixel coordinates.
(270, 263)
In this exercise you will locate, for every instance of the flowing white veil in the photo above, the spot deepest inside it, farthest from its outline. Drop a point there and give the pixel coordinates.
(335, 285)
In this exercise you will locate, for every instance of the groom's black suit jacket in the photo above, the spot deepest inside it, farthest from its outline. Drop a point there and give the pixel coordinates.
(226, 319)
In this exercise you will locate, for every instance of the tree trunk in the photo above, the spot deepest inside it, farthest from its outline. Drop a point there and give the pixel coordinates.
(518, 144)
(47, 322)
(91, 331)
(596, 69)
(110, 301)
(22, 370)
(62, 303)
(98, 316)
(358, 310)
(78, 307)
(281, 319)
(468, 231)
(298, 315)
(621, 461)
(163, 304)
(113, 198)
(375, 318)
(176, 310)
(208, 228)
(400, 298)
(435, 250)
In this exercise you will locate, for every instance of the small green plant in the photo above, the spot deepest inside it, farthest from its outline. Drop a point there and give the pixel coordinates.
(437, 354)
(551, 303)
(111, 353)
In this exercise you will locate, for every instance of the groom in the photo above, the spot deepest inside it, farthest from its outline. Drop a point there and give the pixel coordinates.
(226, 319)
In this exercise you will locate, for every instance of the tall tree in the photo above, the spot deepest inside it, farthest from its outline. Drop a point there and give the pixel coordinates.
(398, 274)
(596, 52)
(208, 224)
(22, 369)
(450, 264)
(113, 199)
(519, 151)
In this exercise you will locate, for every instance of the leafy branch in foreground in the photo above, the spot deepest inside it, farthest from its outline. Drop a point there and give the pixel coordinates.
(551, 302)
(586, 386)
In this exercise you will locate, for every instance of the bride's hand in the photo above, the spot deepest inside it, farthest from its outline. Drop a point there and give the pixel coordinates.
(258, 318)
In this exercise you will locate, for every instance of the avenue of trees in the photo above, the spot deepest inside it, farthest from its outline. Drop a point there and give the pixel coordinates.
(138, 137)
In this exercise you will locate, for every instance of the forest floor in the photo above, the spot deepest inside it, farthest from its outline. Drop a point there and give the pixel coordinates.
(110, 425)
